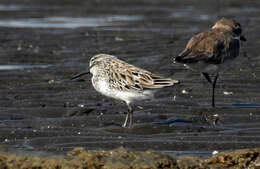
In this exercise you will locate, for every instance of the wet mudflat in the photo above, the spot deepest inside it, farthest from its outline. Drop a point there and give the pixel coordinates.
(44, 43)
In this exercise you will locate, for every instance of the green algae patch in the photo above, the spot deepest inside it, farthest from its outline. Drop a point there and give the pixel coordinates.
(122, 158)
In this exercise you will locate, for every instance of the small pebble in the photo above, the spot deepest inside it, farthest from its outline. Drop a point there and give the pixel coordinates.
(100, 115)
(215, 152)
(140, 107)
(81, 105)
(227, 93)
(19, 48)
(216, 115)
(174, 98)
(118, 39)
(184, 91)
(51, 81)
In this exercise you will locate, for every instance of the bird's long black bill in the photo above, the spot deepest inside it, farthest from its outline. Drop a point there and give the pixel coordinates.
(79, 75)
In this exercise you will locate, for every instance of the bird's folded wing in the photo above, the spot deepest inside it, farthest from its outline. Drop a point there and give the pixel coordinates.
(206, 46)
(131, 77)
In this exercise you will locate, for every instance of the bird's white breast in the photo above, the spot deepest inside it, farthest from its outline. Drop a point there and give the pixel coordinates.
(103, 86)
(132, 96)
(100, 85)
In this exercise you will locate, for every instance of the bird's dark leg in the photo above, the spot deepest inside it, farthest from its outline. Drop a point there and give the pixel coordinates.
(129, 116)
(206, 75)
(213, 90)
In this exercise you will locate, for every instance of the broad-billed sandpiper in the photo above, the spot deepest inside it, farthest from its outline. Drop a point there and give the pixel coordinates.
(119, 80)
(208, 52)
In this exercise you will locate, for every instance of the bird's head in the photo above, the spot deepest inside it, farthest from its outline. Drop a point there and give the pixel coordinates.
(232, 26)
(98, 59)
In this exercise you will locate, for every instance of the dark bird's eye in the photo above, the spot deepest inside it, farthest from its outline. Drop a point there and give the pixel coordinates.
(238, 25)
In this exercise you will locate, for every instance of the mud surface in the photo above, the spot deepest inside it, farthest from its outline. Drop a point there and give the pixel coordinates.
(43, 43)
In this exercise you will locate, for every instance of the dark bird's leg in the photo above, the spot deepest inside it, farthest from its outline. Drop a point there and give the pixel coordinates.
(129, 116)
(213, 90)
(206, 75)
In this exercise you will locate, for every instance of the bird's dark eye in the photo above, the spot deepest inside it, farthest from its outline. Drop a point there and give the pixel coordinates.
(238, 25)
(91, 60)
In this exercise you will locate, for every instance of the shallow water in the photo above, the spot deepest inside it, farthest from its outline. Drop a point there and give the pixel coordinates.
(41, 110)
(67, 22)
(12, 7)
(15, 67)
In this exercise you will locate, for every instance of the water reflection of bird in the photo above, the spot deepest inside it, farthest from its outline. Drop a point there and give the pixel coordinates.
(210, 52)
(117, 79)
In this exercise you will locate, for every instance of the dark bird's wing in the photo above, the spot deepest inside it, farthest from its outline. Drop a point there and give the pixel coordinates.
(211, 47)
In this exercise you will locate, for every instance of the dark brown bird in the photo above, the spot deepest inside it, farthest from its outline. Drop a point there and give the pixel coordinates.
(208, 52)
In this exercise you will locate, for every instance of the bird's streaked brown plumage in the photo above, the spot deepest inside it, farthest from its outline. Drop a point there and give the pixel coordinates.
(115, 78)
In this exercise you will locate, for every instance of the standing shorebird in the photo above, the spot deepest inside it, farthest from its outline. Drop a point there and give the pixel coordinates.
(117, 79)
(208, 52)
